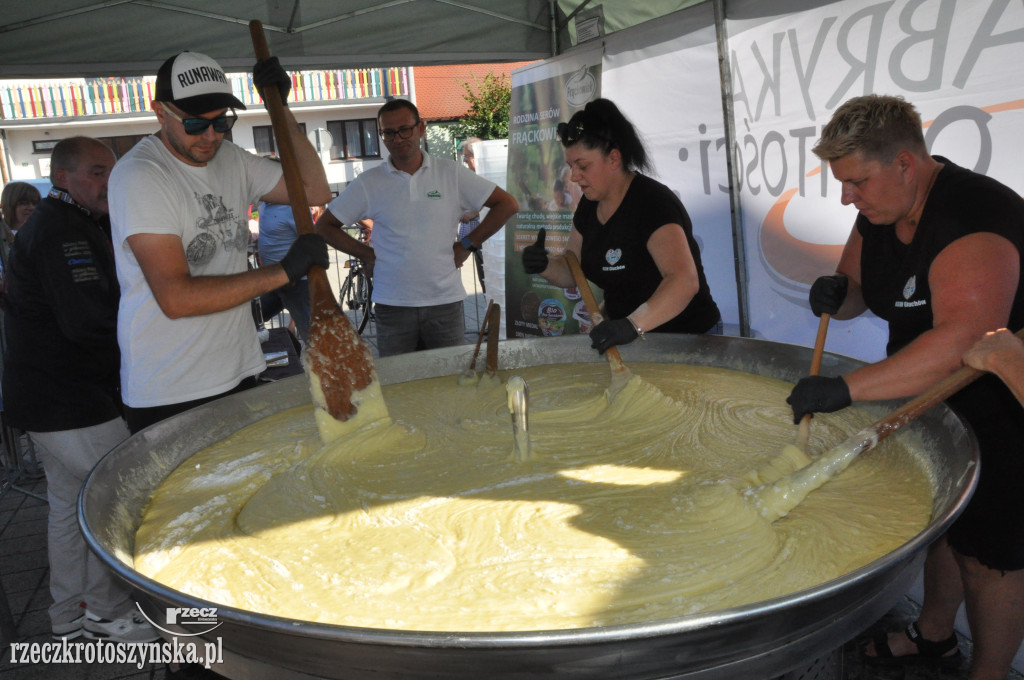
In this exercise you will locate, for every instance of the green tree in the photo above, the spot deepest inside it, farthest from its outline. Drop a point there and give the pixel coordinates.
(488, 108)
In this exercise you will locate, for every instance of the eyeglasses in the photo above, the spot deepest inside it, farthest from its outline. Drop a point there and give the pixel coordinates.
(197, 126)
(404, 132)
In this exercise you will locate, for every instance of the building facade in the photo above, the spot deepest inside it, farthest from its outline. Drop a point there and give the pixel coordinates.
(337, 108)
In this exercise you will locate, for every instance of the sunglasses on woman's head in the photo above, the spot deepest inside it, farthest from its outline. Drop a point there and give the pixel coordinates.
(570, 133)
(574, 131)
(197, 126)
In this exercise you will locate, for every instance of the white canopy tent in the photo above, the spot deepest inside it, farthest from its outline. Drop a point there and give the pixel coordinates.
(56, 38)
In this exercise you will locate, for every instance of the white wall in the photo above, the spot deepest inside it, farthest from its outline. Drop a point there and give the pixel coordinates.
(24, 163)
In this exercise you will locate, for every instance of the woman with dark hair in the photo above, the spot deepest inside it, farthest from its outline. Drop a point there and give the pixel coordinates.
(17, 202)
(631, 234)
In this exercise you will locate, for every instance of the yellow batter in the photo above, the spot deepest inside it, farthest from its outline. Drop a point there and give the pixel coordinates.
(638, 510)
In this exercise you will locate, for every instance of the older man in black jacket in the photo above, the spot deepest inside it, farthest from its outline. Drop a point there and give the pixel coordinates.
(61, 377)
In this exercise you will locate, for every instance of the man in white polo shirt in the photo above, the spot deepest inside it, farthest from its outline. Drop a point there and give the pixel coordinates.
(415, 201)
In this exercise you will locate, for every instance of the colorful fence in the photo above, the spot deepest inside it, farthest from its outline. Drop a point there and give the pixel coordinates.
(98, 96)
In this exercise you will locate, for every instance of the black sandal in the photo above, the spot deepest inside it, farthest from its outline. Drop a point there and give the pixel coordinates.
(928, 651)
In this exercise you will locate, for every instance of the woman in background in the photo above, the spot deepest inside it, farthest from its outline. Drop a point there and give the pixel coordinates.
(17, 202)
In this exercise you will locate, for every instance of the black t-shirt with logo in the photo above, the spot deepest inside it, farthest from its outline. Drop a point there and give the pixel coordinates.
(615, 257)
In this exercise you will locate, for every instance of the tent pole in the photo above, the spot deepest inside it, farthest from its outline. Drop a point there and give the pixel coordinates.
(5, 175)
(553, 25)
(735, 205)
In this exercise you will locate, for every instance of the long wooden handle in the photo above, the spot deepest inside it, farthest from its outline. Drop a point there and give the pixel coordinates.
(614, 358)
(939, 392)
(804, 431)
(480, 336)
(493, 331)
(796, 485)
(286, 150)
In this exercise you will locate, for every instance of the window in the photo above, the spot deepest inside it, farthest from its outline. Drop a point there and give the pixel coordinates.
(44, 146)
(122, 144)
(263, 136)
(354, 138)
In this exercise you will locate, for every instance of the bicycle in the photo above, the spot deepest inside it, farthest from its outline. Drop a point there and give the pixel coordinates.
(357, 288)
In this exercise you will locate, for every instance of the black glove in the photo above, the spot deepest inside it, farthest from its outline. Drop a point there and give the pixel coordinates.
(535, 258)
(306, 251)
(818, 394)
(610, 333)
(828, 293)
(269, 72)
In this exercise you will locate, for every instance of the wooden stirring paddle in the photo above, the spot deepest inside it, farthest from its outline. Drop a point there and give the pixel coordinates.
(620, 374)
(493, 328)
(778, 499)
(804, 430)
(469, 376)
(340, 364)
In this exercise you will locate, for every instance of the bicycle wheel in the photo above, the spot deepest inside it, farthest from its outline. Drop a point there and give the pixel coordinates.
(364, 294)
(355, 298)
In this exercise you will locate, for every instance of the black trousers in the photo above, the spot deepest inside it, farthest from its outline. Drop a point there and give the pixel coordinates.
(140, 418)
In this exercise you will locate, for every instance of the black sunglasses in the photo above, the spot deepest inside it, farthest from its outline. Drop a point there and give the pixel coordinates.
(197, 126)
(574, 131)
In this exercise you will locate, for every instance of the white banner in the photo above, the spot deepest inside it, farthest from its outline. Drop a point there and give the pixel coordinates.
(666, 80)
(958, 62)
(793, 62)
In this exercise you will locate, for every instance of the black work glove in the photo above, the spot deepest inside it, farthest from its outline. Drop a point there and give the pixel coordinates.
(306, 251)
(818, 394)
(610, 333)
(828, 293)
(535, 258)
(269, 72)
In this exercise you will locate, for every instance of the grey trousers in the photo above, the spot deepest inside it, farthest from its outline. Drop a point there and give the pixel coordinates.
(76, 573)
(409, 329)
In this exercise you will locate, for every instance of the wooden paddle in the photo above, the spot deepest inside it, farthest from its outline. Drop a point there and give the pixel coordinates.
(778, 499)
(493, 330)
(804, 430)
(335, 355)
(471, 371)
(620, 374)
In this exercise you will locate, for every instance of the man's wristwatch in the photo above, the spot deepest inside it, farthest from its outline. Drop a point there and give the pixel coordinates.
(468, 245)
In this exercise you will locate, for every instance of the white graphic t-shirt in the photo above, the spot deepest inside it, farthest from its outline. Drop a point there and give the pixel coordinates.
(169, 361)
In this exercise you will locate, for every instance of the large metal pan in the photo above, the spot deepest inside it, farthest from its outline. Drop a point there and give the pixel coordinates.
(759, 640)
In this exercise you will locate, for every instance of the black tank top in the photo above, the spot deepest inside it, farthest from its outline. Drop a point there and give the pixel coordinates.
(894, 281)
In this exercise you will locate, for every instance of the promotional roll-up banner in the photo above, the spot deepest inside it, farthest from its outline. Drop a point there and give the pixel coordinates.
(542, 97)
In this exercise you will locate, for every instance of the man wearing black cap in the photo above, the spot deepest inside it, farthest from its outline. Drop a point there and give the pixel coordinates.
(179, 207)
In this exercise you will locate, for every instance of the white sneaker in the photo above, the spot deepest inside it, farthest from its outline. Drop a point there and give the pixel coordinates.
(132, 627)
(69, 630)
